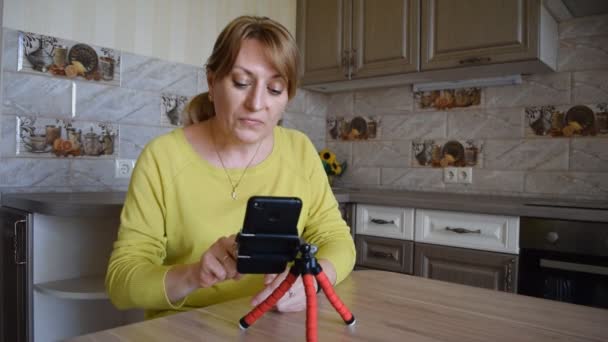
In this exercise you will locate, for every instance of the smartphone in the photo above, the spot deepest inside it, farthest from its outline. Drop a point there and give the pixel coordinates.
(269, 236)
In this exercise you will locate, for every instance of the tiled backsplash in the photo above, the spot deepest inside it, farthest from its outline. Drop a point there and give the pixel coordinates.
(565, 161)
(139, 107)
(379, 132)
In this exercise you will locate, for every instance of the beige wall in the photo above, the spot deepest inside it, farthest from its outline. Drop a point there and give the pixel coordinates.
(175, 30)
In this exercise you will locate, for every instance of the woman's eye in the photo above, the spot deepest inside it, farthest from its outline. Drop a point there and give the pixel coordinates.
(240, 84)
(275, 91)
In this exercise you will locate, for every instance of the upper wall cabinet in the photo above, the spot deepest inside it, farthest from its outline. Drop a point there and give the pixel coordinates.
(475, 32)
(352, 39)
(350, 44)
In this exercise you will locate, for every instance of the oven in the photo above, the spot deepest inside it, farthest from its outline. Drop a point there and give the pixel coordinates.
(564, 260)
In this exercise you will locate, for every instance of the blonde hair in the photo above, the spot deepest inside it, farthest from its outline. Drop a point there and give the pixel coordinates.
(281, 50)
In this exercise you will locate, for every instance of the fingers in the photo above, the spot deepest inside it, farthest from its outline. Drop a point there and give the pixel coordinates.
(268, 278)
(271, 282)
(294, 300)
(218, 263)
(228, 244)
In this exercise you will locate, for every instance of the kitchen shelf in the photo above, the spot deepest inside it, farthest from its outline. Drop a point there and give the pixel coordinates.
(91, 287)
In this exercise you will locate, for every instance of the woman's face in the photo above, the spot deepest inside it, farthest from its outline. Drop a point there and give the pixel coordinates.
(249, 101)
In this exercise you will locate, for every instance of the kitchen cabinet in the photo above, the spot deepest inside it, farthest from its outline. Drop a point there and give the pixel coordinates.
(15, 278)
(384, 254)
(384, 237)
(347, 212)
(355, 39)
(53, 271)
(476, 32)
(353, 44)
(467, 248)
(498, 233)
(490, 270)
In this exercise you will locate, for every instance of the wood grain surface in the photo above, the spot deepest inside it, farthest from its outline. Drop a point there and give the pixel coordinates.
(388, 307)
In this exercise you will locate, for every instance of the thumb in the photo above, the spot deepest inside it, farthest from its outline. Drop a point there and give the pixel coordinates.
(268, 278)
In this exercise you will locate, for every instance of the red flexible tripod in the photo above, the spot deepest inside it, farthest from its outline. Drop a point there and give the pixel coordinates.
(307, 266)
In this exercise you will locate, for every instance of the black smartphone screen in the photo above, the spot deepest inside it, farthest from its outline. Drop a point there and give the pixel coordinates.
(269, 237)
(272, 215)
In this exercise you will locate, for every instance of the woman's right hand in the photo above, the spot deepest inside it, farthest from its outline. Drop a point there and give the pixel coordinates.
(217, 264)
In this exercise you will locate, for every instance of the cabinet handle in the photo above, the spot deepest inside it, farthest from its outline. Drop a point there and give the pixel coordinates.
(353, 61)
(381, 221)
(345, 63)
(475, 60)
(16, 244)
(383, 255)
(463, 230)
(509, 276)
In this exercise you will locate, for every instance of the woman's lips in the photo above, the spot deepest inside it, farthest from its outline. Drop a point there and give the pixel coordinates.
(251, 122)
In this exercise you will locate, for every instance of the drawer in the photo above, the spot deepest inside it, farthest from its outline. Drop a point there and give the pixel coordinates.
(389, 222)
(478, 231)
(385, 254)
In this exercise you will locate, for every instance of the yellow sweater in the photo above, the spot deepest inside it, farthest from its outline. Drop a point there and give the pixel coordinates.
(178, 205)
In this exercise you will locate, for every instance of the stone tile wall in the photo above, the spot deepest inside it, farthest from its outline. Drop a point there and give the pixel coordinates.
(513, 163)
(134, 108)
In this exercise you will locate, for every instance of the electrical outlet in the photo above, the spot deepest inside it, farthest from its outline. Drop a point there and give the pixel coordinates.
(450, 175)
(124, 168)
(465, 175)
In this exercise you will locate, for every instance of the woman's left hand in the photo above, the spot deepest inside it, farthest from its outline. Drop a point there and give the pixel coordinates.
(295, 298)
(292, 301)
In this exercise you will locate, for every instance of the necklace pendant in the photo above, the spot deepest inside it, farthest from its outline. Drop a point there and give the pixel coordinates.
(233, 194)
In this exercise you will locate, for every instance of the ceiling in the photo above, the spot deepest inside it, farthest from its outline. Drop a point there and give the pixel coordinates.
(584, 8)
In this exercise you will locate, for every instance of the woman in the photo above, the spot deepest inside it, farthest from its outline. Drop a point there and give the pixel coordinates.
(188, 193)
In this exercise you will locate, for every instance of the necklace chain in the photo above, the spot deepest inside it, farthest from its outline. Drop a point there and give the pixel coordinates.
(232, 184)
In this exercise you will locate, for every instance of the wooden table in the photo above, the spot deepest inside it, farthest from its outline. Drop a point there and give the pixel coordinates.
(388, 307)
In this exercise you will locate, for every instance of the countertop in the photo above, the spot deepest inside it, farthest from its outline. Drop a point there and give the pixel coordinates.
(76, 204)
(387, 307)
(584, 210)
(109, 203)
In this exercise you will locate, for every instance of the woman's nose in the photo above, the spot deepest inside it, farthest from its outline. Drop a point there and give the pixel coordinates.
(256, 99)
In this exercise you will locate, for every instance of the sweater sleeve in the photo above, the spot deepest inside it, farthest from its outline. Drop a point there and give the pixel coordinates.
(135, 276)
(325, 227)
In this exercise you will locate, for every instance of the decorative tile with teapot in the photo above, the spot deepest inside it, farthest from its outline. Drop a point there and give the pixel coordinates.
(64, 138)
(63, 58)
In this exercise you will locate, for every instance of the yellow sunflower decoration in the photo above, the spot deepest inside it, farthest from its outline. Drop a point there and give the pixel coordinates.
(331, 164)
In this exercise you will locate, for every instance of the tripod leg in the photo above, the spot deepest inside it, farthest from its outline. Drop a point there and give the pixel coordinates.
(269, 302)
(311, 308)
(328, 289)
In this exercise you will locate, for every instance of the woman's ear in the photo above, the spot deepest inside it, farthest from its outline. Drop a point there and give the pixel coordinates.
(210, 81)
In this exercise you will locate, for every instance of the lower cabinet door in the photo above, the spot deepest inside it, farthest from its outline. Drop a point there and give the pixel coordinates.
(489, 270)
(384, 253)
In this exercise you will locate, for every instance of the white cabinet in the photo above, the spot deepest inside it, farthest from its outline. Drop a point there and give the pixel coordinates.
(495, 233)
(70, 257)
(384, 237)
(466, 248)
(388, 222)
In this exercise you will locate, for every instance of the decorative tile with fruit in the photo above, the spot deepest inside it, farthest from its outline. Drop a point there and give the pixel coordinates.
(448, 98)
(567, 121)
(357, 128)
(432, 153)
(45, 137)
(57, 57)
